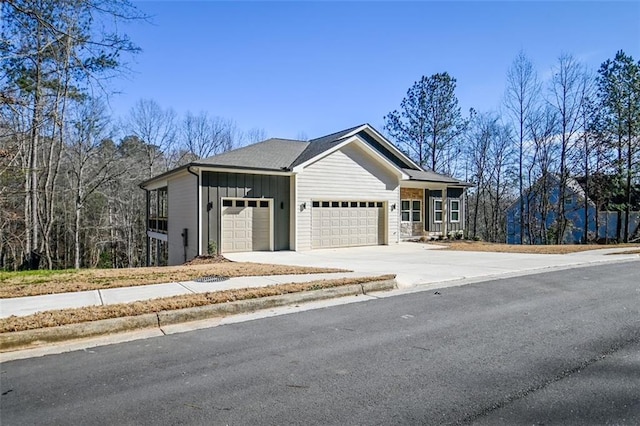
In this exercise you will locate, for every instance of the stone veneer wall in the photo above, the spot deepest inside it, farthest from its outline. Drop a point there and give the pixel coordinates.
(414, 228)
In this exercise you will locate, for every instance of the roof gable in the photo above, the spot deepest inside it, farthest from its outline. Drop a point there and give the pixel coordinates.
(317, 147)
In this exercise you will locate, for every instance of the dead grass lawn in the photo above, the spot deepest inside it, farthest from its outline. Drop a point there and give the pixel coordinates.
(95, 313)
(19, 284)
(626, 252)
(516, 248)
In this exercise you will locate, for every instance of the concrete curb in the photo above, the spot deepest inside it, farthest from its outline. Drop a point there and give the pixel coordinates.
(33, 338)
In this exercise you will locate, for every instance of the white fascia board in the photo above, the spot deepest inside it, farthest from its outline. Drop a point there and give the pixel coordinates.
(358, 141)
(161, 183)
(391, 147)
(356, 131)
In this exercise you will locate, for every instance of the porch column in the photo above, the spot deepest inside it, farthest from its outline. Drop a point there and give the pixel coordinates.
(445, 212)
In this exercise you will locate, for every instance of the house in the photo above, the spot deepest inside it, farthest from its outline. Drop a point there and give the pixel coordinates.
(349, 188)
(540, 204)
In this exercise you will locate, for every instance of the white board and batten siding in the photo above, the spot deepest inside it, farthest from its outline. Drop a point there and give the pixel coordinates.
(182, 203)
(349, 174)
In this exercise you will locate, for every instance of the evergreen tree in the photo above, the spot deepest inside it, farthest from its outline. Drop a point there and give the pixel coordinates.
(429, 123)
(619, 95)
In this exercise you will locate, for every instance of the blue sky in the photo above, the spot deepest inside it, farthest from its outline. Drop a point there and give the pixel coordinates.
(318, 67)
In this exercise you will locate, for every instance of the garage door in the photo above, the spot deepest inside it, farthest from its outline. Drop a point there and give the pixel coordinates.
(347, 223)
(246, 225)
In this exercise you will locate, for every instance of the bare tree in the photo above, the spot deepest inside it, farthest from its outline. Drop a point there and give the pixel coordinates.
(543, 163)
(89, 161)
(51, 51)
(156, 127)
(254, 135)
(204, 136)
(489, 150)
(521, 97)
(568, 91)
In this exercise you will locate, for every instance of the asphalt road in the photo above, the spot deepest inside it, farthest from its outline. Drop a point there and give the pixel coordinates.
(555, 348)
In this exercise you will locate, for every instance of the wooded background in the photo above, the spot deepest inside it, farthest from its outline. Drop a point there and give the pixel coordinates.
(69, 172)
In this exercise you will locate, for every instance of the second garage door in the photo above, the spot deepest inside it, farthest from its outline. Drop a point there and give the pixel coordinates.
(347, 223)
(246, 225)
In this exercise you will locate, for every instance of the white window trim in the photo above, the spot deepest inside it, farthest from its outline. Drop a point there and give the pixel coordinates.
(402, 211)
(411, 210)
(451, 210)
(441, 210)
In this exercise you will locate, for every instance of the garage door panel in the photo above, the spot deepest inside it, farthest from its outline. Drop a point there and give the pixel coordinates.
(246, 228)
(349, 224)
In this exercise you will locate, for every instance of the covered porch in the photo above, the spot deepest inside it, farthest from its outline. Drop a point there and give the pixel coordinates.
(431, 209)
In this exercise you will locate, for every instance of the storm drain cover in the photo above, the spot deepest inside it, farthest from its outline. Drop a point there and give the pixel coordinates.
(211, 279)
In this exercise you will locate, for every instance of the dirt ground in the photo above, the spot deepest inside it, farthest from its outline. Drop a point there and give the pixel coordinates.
(517, 248)
(19, 284)
(95, 313)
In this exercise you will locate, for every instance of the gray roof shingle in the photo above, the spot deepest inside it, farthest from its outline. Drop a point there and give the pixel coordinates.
(285, 154)
(272, 154)
(319, 145)
(431, 176)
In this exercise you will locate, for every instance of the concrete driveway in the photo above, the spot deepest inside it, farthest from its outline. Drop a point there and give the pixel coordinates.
(419, 264)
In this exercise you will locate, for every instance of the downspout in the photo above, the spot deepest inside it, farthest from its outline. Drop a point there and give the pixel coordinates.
(197, 209)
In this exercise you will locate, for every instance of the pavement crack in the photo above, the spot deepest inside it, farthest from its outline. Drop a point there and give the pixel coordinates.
(100, 296)
(421, 348)
(185, 287)
(540, 386)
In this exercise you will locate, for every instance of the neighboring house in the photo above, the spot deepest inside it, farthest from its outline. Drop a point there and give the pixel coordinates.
(541, 213)
(350, 188)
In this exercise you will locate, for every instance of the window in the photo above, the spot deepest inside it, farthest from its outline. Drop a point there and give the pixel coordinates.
(406, 210)
(437, 211)
(252, 203)
(239, 203)
(264, 204)
(345, 204)
(416, 211)
(227, 203)
(454, 210)
(411, 210)
(315, 204)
